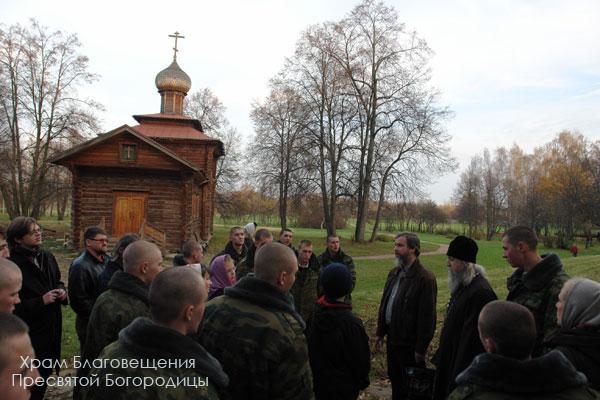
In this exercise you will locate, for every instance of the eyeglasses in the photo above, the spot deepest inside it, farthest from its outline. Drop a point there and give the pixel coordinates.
(100, 240)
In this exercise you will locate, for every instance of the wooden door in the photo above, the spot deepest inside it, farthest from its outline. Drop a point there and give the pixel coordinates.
(128, 212)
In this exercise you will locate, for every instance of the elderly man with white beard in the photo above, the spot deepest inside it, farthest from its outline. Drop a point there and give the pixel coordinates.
(470, 291)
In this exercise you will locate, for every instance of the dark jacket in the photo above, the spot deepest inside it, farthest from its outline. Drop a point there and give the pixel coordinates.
(84, 283)
(179, 260)
(143, 340)
(44, 321)
(538, 291)
(338, 347)
(229, 249)
(305, 288)
(259, 339)
(413, 312)
(106, 275)
(582, 347)
(549, 377)
(459, 341)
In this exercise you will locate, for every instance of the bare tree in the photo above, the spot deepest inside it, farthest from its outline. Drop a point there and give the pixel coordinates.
(206, 107)
(468, 196)
(330, 115)
(384, 63)
(40, 73)
(414, 150)
(278, 122)
(494, 192)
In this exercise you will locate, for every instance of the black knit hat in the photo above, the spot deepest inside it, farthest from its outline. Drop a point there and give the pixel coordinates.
(463, 248)
(336, 281)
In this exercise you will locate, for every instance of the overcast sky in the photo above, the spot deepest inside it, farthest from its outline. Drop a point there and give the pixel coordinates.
(512, 71)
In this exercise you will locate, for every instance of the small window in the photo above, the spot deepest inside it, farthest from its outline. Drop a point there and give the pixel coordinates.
(128, 152)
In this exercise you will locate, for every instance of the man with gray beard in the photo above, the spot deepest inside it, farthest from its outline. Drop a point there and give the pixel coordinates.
(406, 313)
(470, 291)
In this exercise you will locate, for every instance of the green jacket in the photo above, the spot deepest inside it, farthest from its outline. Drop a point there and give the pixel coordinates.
(549, 377)
(538, 291)
(125, 300)
(305, 289)
(255, 333)
(192, 375)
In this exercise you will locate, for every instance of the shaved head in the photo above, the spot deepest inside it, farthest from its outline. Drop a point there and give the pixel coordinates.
(11, 280)
(510, 326)
(143, 260)
(138, 252)
(8, 269)
(173, 290)
(273, 259)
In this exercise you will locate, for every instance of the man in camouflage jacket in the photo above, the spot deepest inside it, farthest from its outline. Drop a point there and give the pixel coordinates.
(255, 333)
(125, 300)
(536, 281)
(307, 279)
(155, 358)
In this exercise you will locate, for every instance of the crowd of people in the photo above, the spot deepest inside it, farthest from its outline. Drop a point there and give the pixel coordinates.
(267, 320)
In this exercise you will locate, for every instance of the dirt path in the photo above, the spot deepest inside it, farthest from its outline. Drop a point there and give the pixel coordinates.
(440, 250)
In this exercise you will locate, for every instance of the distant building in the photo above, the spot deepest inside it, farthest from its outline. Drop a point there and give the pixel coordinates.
(158, 176)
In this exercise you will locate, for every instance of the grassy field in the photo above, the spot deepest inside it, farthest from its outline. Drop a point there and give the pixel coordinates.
(371, 274)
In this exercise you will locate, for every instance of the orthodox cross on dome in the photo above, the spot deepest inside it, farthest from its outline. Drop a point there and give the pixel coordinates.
(176, 36)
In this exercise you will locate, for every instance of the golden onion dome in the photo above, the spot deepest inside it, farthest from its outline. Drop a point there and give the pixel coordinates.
(173, 78)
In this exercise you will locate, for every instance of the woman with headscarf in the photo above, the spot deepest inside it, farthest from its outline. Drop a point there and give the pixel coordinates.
(578, 315)
(222, 271)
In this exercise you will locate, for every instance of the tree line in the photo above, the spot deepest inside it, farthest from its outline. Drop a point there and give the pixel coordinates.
(555, 189)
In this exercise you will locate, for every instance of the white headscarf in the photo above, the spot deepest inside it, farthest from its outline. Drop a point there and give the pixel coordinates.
(582, 304)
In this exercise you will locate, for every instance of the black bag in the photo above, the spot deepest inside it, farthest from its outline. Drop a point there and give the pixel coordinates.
(419, 382)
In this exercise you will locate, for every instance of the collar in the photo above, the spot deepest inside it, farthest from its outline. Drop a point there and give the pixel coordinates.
(262, 293)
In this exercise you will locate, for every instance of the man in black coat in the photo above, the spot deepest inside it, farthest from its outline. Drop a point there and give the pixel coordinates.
(41, 294)
(407, 313)
(469, 292)
(84, 278)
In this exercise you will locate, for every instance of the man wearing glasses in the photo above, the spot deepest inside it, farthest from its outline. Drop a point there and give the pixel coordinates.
(83, 278)
(41, 296)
